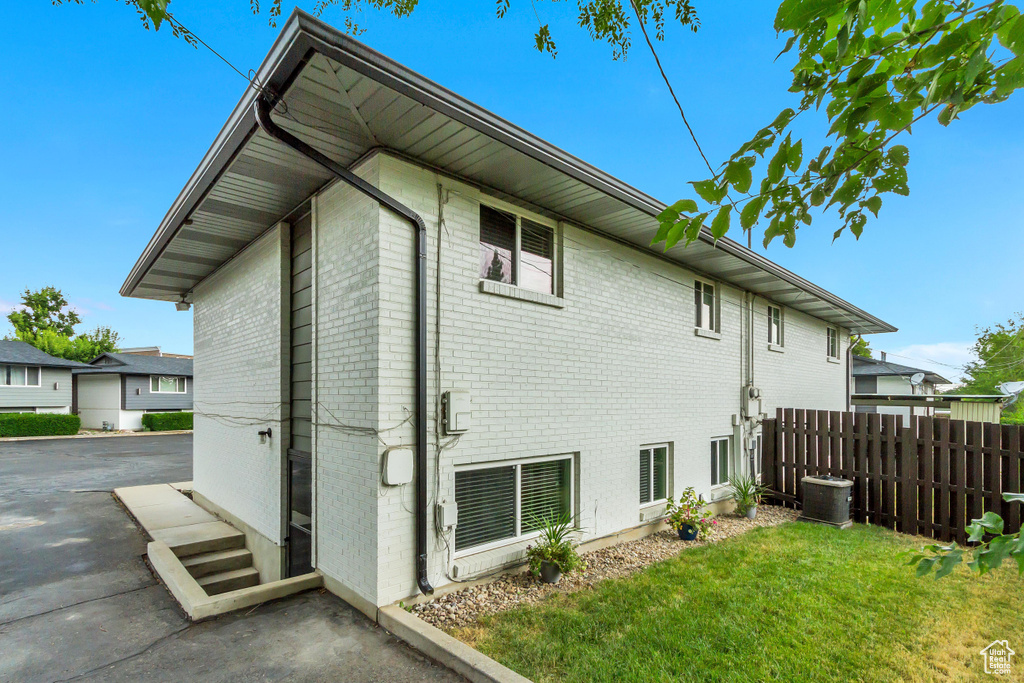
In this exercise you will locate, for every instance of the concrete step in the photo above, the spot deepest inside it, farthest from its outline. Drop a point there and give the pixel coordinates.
(230, 581)
(194, 539)
(221, 561)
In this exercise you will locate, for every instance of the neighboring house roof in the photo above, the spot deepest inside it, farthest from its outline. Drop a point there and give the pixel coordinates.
(348, 100)
(868, 367)
(134, 364)
(22, 353)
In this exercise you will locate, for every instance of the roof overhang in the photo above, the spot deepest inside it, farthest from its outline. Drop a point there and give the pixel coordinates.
(348, 100)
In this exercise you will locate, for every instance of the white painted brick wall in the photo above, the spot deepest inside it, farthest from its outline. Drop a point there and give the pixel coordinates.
(240, 331)
(618, 367)
(347, 357)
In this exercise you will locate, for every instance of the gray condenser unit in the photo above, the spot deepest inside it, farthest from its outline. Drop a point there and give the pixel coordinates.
(827, 501)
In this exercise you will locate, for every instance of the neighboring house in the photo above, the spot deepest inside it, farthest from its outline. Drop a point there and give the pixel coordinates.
(882, 377)
(880, 386)
(579, 370)
(118, 388)
(32, 381)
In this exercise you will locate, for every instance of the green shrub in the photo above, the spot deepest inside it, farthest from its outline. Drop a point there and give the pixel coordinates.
(38, 424)
(163, 422)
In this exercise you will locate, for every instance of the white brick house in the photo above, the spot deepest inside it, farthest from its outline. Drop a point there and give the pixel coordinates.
(603, 375)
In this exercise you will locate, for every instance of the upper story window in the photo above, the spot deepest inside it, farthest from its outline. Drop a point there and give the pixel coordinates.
(516, 251)
(775, 325)
(653, 474)
(705, 299)
(833, 341)
(506, 501)
(167, 385)
(20, 376)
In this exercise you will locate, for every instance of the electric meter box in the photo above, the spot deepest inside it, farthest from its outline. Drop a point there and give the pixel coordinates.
(458, 411)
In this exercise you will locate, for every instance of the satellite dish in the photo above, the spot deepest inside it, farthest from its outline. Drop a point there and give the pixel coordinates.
(917, 378)
(1011, 388)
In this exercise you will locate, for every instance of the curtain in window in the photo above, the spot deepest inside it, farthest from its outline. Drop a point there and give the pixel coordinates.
(487, 505)
(545, 493)
(17, 375)
(645, 475)
(32, 379)
(497, 245)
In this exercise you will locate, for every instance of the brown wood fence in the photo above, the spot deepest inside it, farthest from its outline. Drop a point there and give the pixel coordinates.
(930, 477)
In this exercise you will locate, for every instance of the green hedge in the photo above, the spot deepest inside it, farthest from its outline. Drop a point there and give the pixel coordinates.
(164, 422)
(38, 424)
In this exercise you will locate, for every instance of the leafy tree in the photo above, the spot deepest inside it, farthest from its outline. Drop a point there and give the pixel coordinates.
(877, 66)
(48, 324)
(46, 309)
(999, 353)
(860, 346)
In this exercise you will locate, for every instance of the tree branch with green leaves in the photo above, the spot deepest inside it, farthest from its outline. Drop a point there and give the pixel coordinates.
(986, 556)
(878, 67)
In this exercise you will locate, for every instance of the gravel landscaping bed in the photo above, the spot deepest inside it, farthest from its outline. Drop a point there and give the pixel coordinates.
(464, 607)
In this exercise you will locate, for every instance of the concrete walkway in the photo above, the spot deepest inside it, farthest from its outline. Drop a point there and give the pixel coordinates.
(77, 601)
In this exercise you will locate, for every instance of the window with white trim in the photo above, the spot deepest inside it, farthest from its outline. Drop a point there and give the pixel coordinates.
(832, 335)
(20, 375)
(653, 474)
(167, 385)
(720, 461)
(505, 502)
(775, 323)
(516, 251)
(705, 299)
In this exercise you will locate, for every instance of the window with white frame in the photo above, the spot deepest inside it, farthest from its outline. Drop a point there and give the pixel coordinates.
(833, 341)
(167, 385)
(653, 474)
(516, 251)
(706, 305)
(775, 325)
(20, 375)
(507, 501)
(720, 461)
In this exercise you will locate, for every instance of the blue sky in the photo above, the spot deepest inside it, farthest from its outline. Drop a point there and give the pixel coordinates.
(107, 121)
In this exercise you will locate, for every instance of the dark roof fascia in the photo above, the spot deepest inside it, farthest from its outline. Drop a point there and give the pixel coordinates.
(302, 34)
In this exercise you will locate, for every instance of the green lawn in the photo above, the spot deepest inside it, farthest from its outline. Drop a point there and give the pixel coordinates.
(794, 602)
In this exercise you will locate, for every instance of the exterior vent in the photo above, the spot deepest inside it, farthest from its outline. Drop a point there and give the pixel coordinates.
(827, 501)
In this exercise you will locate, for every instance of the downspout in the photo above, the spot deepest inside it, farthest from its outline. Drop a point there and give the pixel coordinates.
(849, 372)
(262, 109)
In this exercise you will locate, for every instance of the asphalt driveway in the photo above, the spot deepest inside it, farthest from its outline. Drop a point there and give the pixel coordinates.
(77, 601)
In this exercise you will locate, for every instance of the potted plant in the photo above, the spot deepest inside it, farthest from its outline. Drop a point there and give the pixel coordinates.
(688, 516)
(747, 492)
(555, 550)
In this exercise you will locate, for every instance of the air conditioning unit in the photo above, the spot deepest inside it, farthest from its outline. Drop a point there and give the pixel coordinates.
(827, 501)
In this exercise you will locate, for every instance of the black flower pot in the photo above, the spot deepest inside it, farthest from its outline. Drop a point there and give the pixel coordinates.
(550, 572)
(688, 533)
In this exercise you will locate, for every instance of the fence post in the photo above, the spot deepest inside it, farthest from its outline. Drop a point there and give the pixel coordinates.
(993, 467)
(941, 503)
(975, 471)
(925, 472)
(767, 463)
(1013, 437)
(875, 468)
(908, 478)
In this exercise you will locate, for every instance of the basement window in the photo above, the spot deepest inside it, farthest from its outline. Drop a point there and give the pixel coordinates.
(167, 385)
(507, 502)
(20, 376)
(775, 331)
(516, 251)
(720, 461)
(653, 474)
